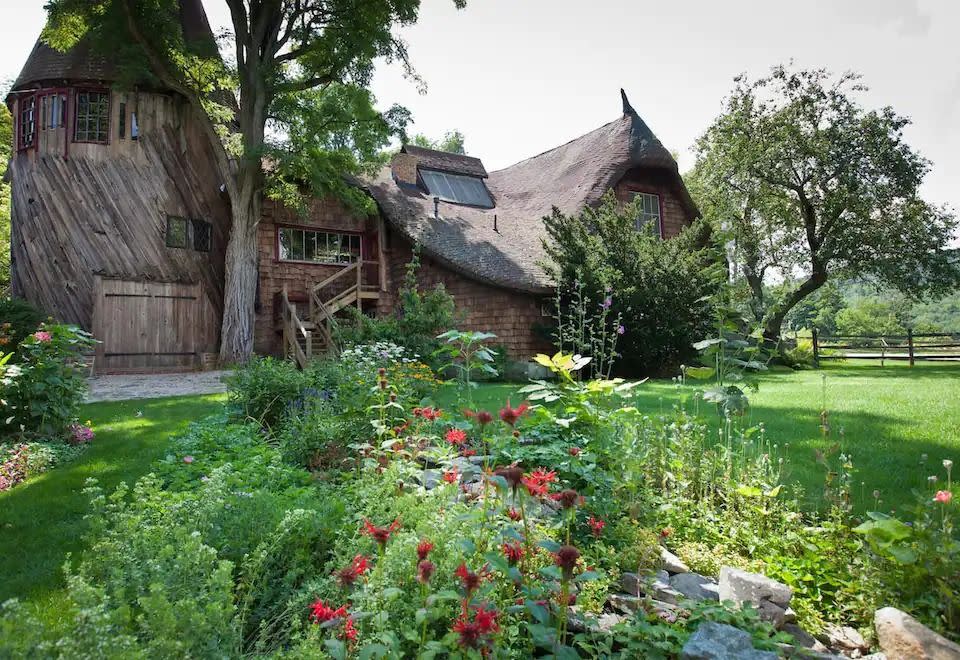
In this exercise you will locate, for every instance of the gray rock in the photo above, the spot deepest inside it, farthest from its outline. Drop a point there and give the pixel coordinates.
(664, 592)
(624, 603)
(579, 622)
(671, 562)
(718, 641)
(772, 612)
(631, 583)
(744, 587)
(843, 638)
(901, 637)
(803, 638)
(801, 653)
(789, 616)
(637, 584)
(430, 479)
(695, 586)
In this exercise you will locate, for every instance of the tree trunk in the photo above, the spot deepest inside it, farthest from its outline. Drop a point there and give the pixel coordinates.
(240, 284)
(773, 322)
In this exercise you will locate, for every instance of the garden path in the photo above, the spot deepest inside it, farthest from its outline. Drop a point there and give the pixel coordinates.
(151, 386)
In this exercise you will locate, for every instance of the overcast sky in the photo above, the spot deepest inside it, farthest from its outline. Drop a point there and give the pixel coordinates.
(521, 76)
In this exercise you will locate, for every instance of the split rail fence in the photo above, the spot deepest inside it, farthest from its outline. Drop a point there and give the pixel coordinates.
(934, 346)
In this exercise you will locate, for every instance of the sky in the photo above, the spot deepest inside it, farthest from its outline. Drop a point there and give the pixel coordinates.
(518, 77)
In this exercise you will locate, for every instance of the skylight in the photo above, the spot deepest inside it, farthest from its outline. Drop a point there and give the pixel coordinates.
(457, 188)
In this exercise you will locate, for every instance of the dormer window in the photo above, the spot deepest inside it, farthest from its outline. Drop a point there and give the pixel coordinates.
(457, 188)
(649, 213)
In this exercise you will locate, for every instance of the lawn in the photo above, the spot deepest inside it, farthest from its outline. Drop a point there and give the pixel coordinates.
(42, 520)
(890, 416)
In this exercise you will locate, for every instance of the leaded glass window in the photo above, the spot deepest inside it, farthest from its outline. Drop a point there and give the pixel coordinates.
(93, 117)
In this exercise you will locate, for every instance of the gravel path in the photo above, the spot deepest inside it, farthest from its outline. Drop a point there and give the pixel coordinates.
(151, 386)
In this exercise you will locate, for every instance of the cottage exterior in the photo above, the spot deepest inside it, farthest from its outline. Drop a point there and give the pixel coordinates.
(119, 223)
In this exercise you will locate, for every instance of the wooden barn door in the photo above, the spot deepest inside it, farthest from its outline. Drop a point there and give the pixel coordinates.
(147, 326)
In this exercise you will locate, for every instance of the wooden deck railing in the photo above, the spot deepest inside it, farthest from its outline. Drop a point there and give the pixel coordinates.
(292, 325)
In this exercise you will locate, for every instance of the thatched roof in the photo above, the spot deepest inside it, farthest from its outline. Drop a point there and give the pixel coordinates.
(572, 176)
(82, 64)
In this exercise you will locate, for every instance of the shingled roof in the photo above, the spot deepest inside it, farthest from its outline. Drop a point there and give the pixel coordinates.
(82, 64)
(572, 176)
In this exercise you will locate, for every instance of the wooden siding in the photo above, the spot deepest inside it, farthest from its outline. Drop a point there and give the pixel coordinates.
(674, 216)
(151, 325)
(102, 210)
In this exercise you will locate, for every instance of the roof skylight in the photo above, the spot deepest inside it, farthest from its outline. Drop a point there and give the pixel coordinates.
(457, 188)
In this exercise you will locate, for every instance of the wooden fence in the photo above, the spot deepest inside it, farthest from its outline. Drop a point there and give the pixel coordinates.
(933, 346)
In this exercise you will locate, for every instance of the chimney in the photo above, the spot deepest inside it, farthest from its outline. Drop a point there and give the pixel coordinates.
(404, 169)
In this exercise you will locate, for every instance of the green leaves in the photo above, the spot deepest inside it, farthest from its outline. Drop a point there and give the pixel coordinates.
(888, 536)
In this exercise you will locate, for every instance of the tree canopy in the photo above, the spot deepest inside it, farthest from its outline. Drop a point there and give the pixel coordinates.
(452, 141)
(292, 88)
(810, 185)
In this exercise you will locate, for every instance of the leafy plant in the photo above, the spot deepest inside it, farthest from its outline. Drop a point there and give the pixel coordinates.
(466, 354)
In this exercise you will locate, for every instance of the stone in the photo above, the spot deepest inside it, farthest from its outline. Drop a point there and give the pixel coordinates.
(801, 653)
(744, 587)
(901, 637)
(803, 638)
(624, 603)
(430, 479)
(789, 616)
(772, 612)
(671, 562)
(631, 583)
(695, 586)
(664, 592)
(843, 638)
(578, 622)
(635, 585)
(718, 641)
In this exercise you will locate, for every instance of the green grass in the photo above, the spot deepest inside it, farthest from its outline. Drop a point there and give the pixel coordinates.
(42, 520)
(890, 416)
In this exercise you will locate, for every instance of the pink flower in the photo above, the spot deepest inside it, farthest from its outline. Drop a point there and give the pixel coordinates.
(42, 336)
(943, 496)
(188, 459)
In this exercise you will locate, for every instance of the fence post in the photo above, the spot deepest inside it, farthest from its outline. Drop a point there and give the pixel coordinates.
(910, 344)
(816, 348)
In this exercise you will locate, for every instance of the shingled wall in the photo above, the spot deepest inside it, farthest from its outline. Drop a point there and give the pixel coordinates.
(674, 215)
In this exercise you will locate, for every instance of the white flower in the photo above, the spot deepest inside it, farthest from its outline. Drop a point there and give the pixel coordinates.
(947, 463)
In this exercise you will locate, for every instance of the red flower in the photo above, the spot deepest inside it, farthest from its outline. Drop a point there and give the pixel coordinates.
(380, 534)
(456, 437)
(471, 581)
(514, 515)
(566, 558)
(429, 414)
(425, 571)
(468, 452)
(512, 415)
(349, 574)
(321, 613)
(596, 525)
(349, 631)
(513, 475)
(513, 552)
(423, 549)
(568, 498)
(451, 476)
(574, 451)
(665, 532)
(475, 634)
(538, 482)
(482, 416)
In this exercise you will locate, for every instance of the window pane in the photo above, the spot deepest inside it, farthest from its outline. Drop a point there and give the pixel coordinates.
(284, 243)
(309, 245)
(297, 248)
(176, 232)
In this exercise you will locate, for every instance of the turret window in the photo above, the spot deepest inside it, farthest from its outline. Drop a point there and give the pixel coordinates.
(92, 117)
(28, 122)
(649, 216)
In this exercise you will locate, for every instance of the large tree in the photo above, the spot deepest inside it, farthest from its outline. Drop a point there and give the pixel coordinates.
(292, 88)
(810, 185)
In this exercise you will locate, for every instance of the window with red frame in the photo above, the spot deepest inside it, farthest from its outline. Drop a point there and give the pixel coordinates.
(92, 122)
(28, 122)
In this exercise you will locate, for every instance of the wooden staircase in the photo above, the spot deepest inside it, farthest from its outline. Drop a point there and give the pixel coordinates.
(304, 339)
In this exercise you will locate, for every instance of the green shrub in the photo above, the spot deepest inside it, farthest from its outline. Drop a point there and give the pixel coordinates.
(262, 389)
(42, 394)
(660, 285)
(19, 320)
(315, 437)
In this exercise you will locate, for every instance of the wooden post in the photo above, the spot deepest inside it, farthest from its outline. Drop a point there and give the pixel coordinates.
(910, 344)
(816, 348)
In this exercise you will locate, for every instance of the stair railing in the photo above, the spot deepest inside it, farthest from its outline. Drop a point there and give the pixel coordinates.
(291, 326)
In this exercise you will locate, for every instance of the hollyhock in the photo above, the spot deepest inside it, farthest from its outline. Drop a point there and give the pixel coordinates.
(380, 534)
(596, 525)
(538, 482)
(943, 496)
(456, 437)
(512, 415)
(423, 549)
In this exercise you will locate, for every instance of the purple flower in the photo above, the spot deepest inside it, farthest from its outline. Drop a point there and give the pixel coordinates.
(607, 302)
(188, 459)
(621, 329)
